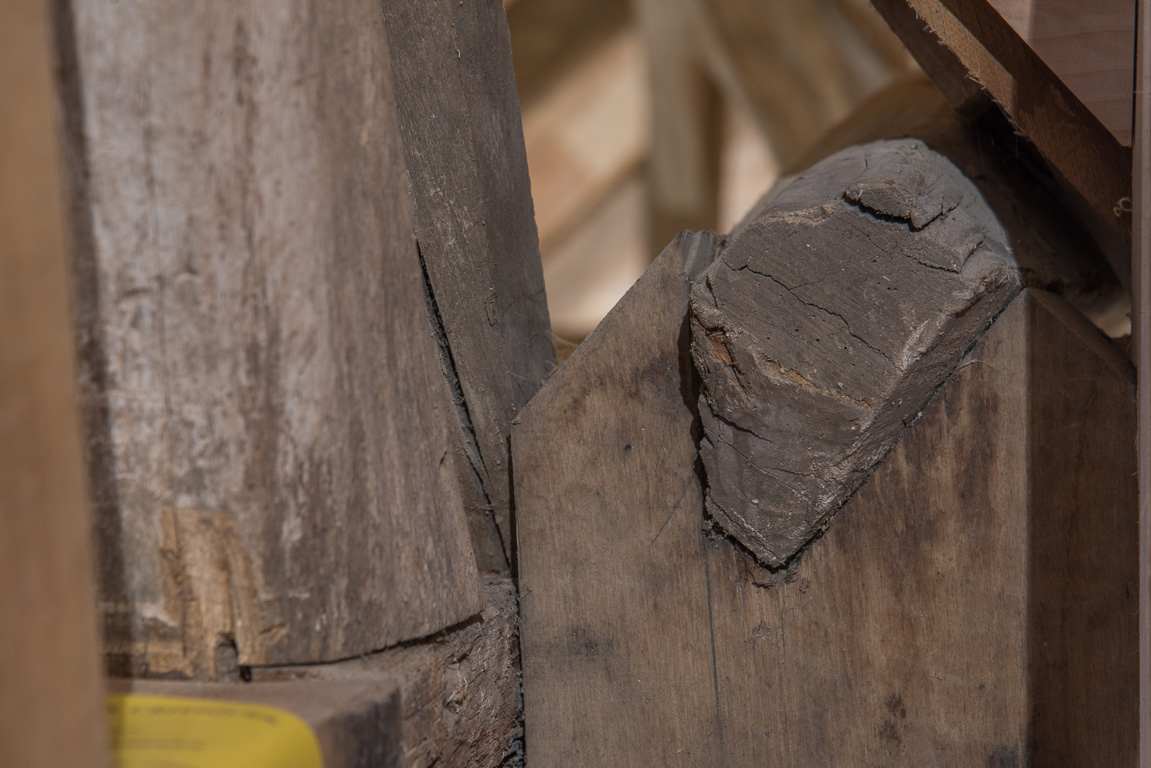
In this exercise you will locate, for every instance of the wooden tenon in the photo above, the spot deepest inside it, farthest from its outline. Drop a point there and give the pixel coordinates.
(971, 604)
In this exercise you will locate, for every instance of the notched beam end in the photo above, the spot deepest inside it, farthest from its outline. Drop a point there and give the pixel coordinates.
(818, 339)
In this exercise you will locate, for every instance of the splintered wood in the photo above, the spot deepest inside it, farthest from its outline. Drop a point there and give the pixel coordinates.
(269, 443)
(827, 324)
(972, 605)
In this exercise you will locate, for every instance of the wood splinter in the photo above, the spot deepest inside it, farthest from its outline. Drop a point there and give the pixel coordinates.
(826, 325)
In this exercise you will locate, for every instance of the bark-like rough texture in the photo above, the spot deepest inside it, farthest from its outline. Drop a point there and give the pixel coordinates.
(460, 702)
(827, 324)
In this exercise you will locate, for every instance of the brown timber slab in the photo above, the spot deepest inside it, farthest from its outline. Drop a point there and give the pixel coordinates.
(356, 723)
(828, 323)
(1089, 46)
(463, 144)
(459, 696)
(961, 41)
(51, 711)
(270, 451)
(973, 605)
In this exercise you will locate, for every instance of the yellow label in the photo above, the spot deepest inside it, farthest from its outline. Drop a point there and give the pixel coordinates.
(176, 732)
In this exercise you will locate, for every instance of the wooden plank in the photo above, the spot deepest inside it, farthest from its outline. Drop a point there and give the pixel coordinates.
(1052, 248)
(1089, 47)
(269, 446)
(51, 712)
(684, 152)
(1141, 348)
(972, 605)
(958, 39)
(472, 215)
(827, 324)
(459, 697)
(357, 723)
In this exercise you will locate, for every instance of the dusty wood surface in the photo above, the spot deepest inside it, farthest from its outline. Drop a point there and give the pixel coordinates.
(960, 41)
(270, 453)
(357, 723)
(1051, 247)
(459, 696)
(1089, 46)
(471, 205)
(972, 606)
(827, 324)
(51, 712)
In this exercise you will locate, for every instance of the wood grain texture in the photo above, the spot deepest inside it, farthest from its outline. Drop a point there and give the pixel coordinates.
(270, 452)
(828, 323)
(973, 606)
(1090, 47)
(1051, 247)
(459, 696)
(1141, 338)
(471, 205)
(51, 712)
(956, 40)
(357, 723)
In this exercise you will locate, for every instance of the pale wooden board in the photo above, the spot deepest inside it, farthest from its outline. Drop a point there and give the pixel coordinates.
(973, 605)
(471, 205)
(356, 723)
(268, 436)
(51, 712)
(961, 41)
(459, 696)
(1089, 46)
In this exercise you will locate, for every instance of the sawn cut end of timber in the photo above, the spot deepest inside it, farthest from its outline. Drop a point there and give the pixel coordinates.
(827, 324)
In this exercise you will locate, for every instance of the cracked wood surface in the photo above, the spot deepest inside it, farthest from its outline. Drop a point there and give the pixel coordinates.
(269, 449)
(973, 606)
(471, 204)
(827, 324)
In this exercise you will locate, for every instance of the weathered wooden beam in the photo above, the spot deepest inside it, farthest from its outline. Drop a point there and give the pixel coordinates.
(960, 42)
(972, 602)
(463, 147)
(1089, 46)
(827, 324)
(459, 697)
(267, 420)
(51, 711)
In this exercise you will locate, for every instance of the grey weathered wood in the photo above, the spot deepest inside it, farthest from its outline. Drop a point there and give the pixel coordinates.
(472, 214)
(356, 722)
(51, 708)
(459, 696)
(827, 324)
(270, 453)
(973, 606)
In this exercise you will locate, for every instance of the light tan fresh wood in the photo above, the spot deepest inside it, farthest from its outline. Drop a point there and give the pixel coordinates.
(963, 44)
(267, 423)
(467, 179)
(459, 696)
(1089, 46)
(51, 712)
(973, 605)
(356, 722)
